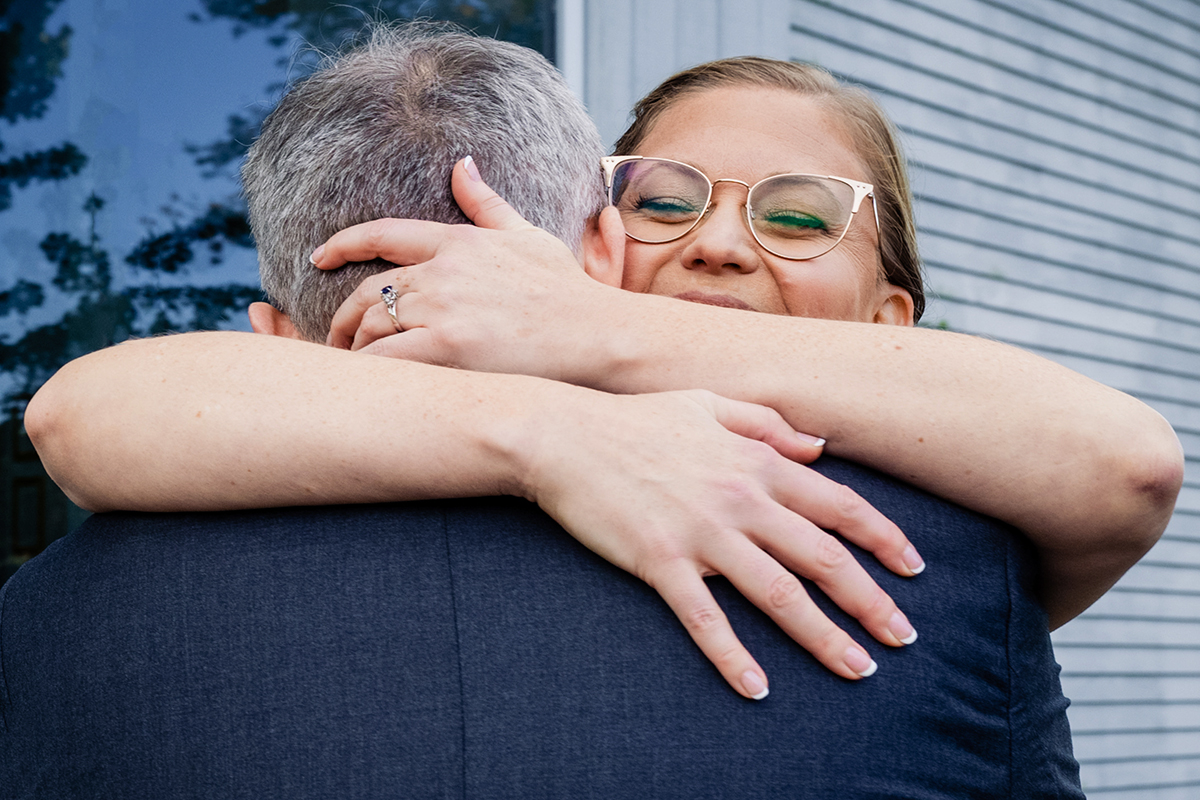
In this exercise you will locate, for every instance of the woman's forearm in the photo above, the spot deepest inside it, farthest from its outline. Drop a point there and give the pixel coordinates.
(234, 420)
(1089, 473)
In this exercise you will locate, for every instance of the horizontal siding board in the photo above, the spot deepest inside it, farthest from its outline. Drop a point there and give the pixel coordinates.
(1189, 499)
(962, 222)
(1087, 720)
(890, 75)
(1154, 575)
(1191, 448)
(1116, 52)
(1180, 551)
(1182, 791)
(1155, 746)
(1028, 214)
(945, 253)
(949, 216)
(1143, 776)
(1015, 59)
(924, 130)
(1101, 205)
(986, 81)
(1127, 662)
(945, 221)
(1142, 172)
(1133, 604)
(1169, 44)
(1000, 293)
(1103, 630)
(1113, 691)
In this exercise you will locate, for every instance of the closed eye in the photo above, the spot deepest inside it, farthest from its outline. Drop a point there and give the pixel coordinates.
(783, 221)
(665, 209)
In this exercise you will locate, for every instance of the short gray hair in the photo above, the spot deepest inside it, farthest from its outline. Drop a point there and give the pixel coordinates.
(375, 133)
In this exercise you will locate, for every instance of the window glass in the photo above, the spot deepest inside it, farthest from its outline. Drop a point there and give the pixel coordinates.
(122, 127)
(124, 122)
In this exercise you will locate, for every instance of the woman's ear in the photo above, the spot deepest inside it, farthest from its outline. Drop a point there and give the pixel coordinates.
(266, 318)
(895, 307)
(604, 247)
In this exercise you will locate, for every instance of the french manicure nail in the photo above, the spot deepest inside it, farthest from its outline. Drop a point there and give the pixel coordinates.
(754, 686)
(815, 441)
(912, 559)
(902, 629)
(316, 255)
(472, 170)
(858, 660)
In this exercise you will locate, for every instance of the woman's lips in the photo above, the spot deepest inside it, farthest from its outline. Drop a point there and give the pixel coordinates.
(723, 300)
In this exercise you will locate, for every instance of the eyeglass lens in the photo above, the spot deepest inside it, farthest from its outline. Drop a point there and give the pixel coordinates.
(795, 216)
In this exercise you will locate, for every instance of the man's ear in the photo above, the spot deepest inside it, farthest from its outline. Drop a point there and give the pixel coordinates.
(266, 318)
(604, 247)
(895, 306)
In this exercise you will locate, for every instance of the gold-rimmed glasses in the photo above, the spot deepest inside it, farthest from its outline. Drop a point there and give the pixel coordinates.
(794, 216)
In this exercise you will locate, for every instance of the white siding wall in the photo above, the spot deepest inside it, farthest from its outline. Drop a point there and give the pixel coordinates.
(1055, 148)
(631, 45)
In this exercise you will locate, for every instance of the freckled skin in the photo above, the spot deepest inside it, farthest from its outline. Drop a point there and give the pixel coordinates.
(750, 133)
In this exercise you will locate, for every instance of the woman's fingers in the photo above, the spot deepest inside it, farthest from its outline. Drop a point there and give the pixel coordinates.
(482, 206)
(408, 241)
(826, 503)
(766, 425)
(782, 596)
(343, 329)
(680, 585)
(376, 324)
(400, 241)
(797, 544)
(836, 507)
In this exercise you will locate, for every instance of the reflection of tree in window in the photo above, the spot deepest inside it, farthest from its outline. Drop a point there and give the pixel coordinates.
(101, 313)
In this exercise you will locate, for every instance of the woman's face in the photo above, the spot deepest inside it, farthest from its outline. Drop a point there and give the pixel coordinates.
(750, 133)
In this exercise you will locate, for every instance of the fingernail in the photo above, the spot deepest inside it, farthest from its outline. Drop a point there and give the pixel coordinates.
(472, 170)
(316, 255)
(902, 629)
(912, 559)
(754, 686)
(858, 660)
(815, 441)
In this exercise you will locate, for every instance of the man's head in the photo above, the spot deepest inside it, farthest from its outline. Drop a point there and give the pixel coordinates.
(375, 134)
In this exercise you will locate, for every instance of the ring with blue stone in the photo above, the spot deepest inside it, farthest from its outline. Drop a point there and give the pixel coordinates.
(389, 299)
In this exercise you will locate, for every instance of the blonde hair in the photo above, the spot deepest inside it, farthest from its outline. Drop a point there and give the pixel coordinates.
(870, 132)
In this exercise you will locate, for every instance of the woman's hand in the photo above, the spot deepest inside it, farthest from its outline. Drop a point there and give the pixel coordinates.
(676, 486)
(503, 297)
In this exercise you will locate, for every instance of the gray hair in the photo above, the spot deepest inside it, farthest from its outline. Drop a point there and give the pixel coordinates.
(375, 133)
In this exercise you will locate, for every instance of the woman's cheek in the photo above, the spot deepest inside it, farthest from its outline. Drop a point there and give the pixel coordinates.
(640, 267)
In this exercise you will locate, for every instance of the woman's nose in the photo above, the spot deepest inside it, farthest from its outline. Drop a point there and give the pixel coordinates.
(722, 241)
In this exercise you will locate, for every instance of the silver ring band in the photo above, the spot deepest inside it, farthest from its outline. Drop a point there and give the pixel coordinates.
(389, 299)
